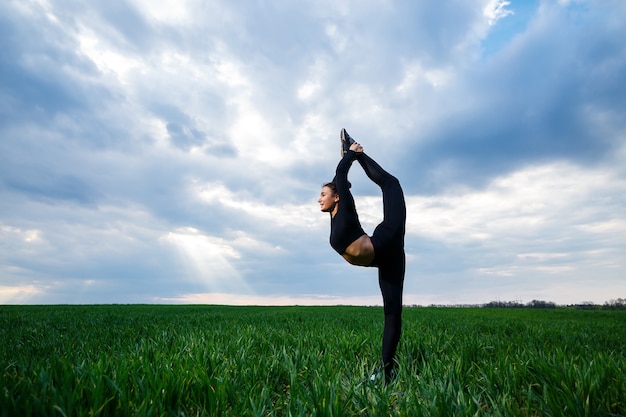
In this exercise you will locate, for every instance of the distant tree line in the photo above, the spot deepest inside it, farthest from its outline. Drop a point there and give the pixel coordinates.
(517, 304)
(617, 304)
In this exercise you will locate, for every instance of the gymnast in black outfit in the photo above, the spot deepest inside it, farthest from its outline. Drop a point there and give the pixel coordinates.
(384, 249)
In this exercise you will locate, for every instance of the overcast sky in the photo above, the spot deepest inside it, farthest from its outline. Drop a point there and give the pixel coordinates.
(172, 151)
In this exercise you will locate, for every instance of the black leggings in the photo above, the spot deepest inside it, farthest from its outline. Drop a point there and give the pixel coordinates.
(388, 242)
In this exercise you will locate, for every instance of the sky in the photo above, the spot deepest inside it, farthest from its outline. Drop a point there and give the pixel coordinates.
(173, 151)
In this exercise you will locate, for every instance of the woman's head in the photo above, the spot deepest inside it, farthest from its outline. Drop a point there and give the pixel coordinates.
(328, 198)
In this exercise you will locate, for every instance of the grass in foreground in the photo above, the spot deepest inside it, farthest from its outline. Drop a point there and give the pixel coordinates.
(280, 361)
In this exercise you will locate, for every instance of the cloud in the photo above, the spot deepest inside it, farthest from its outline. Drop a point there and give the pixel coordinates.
(496, 10)
(155, 151)
(545, 224)
(535, 100)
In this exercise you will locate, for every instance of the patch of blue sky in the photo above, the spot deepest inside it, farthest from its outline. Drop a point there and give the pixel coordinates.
(506, 28)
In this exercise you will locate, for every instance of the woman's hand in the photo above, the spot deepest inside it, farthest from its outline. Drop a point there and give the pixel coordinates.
(356, 147)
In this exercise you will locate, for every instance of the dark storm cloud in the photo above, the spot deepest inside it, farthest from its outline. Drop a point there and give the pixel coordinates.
(549, 95)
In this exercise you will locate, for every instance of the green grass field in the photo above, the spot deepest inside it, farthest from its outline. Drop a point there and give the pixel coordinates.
(298, 361)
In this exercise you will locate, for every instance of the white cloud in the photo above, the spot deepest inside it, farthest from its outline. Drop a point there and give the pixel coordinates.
(295, 217)
(106, 58)
(172, 12)
(496, 10)
(525, 203)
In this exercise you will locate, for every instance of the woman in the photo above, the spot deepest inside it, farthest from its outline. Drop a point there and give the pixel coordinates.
(384, 249)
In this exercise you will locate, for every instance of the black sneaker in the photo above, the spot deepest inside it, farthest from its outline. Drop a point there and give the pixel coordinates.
(346, 141)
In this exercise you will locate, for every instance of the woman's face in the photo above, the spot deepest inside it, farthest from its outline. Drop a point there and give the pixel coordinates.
(328, 200)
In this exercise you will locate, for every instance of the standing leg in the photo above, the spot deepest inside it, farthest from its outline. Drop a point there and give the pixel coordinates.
(391, 281)
(388, 241)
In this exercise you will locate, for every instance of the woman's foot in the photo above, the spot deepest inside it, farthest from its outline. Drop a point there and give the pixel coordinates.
(346, 141)
(381, 376)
